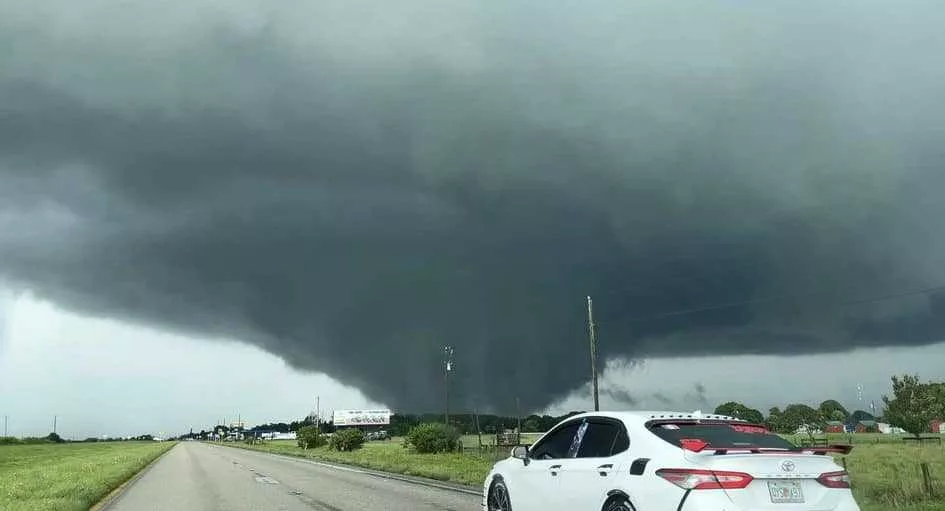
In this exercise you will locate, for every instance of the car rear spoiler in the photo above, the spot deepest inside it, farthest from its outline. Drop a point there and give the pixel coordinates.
(697, 445)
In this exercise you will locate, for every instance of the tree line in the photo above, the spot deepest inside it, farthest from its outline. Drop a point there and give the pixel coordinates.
(913, 406)
(54, 438)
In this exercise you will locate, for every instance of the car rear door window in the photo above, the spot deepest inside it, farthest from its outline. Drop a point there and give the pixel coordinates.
(602, 440)
(556, 444)
(622, 442)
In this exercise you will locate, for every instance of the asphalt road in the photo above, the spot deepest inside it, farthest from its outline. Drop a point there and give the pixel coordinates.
(201, 477)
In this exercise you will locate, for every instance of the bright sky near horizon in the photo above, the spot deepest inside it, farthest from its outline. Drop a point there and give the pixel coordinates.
(103, 377)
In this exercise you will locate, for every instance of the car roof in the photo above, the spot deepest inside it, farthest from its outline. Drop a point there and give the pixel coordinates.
(642, 416)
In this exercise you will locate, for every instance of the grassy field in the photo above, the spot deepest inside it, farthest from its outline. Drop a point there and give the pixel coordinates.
(55, 477)
(887, 476)
(884, 469)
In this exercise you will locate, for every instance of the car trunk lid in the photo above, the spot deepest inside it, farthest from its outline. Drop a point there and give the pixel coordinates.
(757, 469)
(788, 481)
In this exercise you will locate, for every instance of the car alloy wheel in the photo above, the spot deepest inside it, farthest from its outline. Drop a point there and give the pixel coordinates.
(619, 504)
(499, 498)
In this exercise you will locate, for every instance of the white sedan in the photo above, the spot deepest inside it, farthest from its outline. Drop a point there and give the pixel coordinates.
(656, 461)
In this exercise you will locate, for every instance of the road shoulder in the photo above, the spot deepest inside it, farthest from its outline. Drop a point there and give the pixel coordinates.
(422, 481)
(115, 494)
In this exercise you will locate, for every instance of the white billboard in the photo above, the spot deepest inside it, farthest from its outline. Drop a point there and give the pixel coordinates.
(361, 417)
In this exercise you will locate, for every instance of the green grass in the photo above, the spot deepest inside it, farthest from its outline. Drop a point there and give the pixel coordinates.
(887, 476)
(54, 477)
(884, 469)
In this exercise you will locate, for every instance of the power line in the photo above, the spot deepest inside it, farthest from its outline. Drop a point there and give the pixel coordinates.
(771, 299)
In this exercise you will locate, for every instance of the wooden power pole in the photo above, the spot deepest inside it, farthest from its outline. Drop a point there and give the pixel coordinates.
(592, 338)
(447, 367)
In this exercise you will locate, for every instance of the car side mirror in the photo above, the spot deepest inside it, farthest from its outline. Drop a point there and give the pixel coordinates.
(520, 452)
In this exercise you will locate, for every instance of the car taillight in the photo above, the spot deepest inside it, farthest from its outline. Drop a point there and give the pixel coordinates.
(839, 479)
(705, 479)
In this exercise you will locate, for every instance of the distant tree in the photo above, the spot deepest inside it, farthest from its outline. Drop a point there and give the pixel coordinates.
(860, 415)
(531, 425)
(914, 405)
(740, 411)
(432, 437)
(547, 422)
(308, 437)
(297, 425)
(832, 410)
(346, 440)
(54, 437)
(774, 422)
(797, 415)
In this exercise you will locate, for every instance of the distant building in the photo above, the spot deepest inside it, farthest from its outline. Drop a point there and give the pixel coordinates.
(834, 427)
(889, 429)
(866, 427)
(937, 426)
(806, 429)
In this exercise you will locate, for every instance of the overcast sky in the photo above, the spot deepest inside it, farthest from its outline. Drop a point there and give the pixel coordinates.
(322, 195)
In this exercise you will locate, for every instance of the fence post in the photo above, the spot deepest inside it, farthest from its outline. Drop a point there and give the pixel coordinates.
(843, 460)
(927, 479)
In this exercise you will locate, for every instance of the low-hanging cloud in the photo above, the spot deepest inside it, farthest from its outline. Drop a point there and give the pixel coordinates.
(352, 185)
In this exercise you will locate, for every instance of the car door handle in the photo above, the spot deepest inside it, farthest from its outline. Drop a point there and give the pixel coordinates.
(603, 470)
(554, 469)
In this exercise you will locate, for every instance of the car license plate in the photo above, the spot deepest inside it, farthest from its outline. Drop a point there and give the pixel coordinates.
(785, 492)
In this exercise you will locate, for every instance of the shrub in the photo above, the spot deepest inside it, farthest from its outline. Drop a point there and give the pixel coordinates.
(308, 437)
(346, 440)
(433, 438)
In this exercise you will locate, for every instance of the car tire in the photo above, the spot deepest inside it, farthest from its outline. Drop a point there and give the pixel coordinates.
(618, 504)
(498, 497)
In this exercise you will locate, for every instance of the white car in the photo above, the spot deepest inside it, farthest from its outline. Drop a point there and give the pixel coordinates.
(665, 461)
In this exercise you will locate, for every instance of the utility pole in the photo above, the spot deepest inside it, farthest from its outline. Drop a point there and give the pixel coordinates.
(447, 367)
(592, 337)
(518, 417)
(518, 414)
(54, 420)
(318, 412)
(5, 419)
(478, 429)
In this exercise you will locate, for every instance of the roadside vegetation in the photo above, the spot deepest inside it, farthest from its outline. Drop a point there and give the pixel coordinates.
(886, 469)
(886, 475)
(69, 476)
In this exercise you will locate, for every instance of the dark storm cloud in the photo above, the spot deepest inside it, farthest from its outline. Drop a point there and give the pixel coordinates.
(698, 394)
(662, 398)
(352, 186)
(616, 393)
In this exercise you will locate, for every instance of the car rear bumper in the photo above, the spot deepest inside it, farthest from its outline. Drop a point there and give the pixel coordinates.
(719, 501)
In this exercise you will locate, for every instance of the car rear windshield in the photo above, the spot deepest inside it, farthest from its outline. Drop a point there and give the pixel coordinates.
(721, 435)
